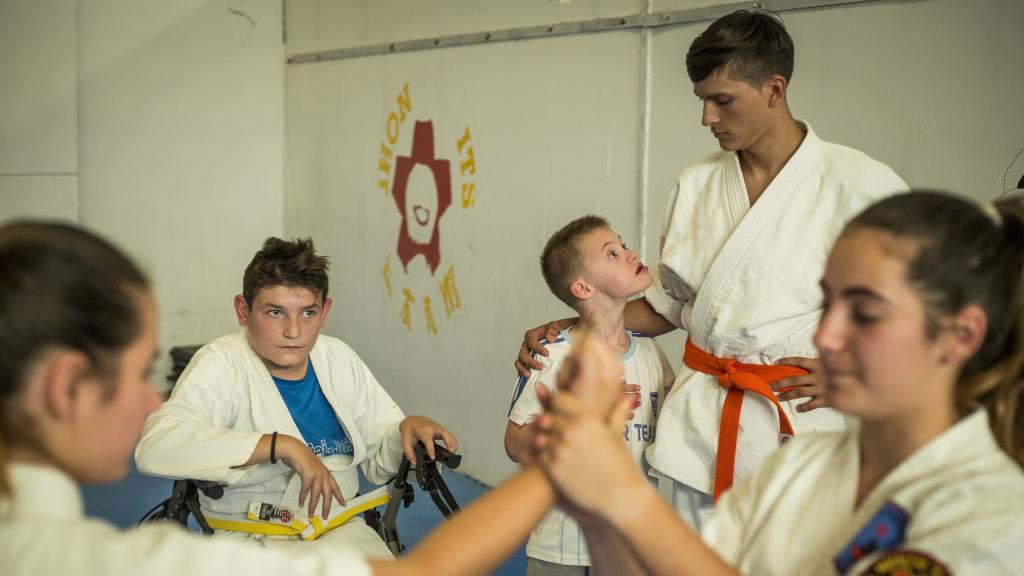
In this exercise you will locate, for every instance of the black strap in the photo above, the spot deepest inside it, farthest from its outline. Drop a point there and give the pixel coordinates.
(184, 501)
(429, 477)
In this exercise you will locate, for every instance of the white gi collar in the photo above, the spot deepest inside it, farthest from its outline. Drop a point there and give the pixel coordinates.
(42, 491)
(965, 441)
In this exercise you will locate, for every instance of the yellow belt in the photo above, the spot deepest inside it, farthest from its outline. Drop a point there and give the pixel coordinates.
(270, 520)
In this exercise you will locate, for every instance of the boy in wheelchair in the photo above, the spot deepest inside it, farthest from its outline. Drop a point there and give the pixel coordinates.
(183, 507)
(281, 415)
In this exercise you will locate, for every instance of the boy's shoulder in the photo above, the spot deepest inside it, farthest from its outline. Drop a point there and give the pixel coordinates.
(644, 341)
(647, 346)
(217, 365)
(557, 349)
(643, 345)
(337, 358)
(227, 348)
(561, 340)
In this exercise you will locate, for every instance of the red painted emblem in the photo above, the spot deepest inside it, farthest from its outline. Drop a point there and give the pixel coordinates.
(423, 192)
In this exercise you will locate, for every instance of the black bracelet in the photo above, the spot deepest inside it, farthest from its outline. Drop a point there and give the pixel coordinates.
(273, 447)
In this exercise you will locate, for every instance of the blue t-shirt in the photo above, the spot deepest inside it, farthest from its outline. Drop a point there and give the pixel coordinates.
(313, 415)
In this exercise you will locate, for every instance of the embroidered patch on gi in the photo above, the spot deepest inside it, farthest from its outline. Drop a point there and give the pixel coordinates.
(884, 532)
(906, 563)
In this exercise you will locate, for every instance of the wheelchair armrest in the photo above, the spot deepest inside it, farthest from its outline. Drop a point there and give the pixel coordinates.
(211, 490)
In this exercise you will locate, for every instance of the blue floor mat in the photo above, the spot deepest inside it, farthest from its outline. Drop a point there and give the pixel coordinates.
(125, 502)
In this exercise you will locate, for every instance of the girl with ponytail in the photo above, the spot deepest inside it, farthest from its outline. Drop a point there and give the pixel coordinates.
(966, 255)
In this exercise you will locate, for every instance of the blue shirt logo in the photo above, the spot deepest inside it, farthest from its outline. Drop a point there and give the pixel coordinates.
(313, 415)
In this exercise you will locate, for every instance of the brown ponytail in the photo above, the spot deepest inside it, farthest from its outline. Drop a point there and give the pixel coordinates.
(60, 287)
(1000, 386)
(969, 254)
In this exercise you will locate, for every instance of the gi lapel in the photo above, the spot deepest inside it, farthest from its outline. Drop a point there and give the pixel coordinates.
(268, 408)
(886, 514)
(338, 390)
(747, 239)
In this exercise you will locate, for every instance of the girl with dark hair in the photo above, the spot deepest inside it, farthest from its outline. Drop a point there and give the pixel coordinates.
(922, 340)
(77, 337)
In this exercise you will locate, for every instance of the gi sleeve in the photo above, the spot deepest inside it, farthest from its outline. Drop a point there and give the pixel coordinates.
(190, 436)
(92, 547)
(378, 418)
(662, 303)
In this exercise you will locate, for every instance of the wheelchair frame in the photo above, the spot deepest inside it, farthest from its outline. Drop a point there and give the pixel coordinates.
(184, 499)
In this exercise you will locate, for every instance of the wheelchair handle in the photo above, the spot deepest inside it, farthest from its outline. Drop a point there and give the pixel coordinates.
(444, 456)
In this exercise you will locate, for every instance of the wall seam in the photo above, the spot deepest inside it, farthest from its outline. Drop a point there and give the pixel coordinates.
(643, 171)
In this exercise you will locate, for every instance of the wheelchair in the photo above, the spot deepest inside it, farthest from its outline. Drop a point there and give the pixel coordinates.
(183, 502)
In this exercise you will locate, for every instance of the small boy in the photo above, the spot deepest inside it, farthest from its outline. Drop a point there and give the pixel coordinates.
(281, 414)
(586, 265)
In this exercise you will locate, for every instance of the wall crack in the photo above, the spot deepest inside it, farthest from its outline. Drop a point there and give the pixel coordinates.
(242, 14)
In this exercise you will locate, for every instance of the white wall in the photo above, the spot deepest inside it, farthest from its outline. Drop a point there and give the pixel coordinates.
(550, 143)
(180, 139)
(329, 25)
(158, 124)
(931, 87)
(38, 116)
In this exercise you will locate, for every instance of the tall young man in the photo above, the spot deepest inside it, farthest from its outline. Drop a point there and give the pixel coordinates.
(743, 248)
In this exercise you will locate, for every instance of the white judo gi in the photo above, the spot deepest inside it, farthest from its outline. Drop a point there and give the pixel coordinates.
(43, 532)
(743, 280)
(958, 502)
(226, 400)
(558, 538)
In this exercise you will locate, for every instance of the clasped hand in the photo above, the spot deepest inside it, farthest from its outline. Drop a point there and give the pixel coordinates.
(578, 439)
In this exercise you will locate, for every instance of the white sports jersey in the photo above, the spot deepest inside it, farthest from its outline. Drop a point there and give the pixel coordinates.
(956, 503)
(557, 538)
(742, 280)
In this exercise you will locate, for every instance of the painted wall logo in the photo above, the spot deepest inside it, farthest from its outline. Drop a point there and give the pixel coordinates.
(420, 185)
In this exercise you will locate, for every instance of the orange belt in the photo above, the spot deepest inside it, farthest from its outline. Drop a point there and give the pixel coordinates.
(737, 377)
